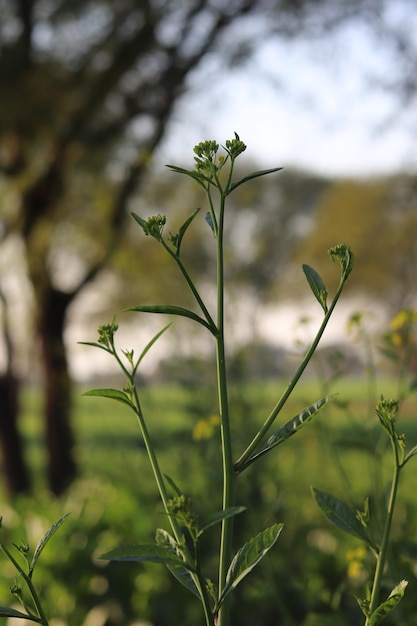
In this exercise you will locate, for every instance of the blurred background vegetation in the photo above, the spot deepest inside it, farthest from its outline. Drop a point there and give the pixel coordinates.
(89, 92)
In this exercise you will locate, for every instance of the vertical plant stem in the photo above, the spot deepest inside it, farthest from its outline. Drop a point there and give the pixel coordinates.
(159, 479)
(228, 470)
(382, 555)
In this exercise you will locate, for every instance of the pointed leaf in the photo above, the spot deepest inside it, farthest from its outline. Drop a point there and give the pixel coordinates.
(291, 427)
(42, 543)
(173, 486)
(248, 556)
(142, 223)
(317, 286)
(6, 612)
(390, 603)
(341, 515)
(151, 553)
(410, 454)
(196, 175)
(245, 179)
(184, 228)
(113, 394)
(150, 344)
(169, 309)
(181, 573)
(94, 344)
(218, 517)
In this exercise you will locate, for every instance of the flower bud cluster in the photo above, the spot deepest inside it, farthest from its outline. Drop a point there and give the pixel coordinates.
(154, 226)
(106, 334)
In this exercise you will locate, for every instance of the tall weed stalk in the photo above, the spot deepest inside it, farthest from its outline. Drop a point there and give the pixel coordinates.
(179, 548)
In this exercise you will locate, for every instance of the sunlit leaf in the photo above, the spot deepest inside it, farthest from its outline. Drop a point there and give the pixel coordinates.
(390, 603)
(291, 427)
(42, 543)
(113, 394)
(248, 556)
(341, 515)
(317, 286)
(181, 573)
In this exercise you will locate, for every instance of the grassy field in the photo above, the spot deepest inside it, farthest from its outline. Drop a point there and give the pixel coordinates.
(304, 582)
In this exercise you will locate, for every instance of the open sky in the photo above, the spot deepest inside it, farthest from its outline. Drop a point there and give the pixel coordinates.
(303, 104)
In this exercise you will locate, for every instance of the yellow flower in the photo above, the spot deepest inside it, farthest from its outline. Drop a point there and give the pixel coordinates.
(356, 558)
(205, 428)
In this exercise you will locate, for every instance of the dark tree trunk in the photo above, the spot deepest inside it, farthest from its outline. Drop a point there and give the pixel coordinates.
(57, 390)
(16, 475)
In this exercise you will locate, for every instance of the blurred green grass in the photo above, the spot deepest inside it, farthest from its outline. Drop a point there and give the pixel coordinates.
(113, 502)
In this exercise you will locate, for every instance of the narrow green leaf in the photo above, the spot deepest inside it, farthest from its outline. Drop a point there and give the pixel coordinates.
(113, 394)
(94, 344)
(317, 286)
(410, 454)
(181, 573)
(142, 223)
(291, 427)
(169, 309)
(248, 556)
(150, 344)
(390, 603)
(341, 515)
(6, 612)
(151, 553)
(184, 228)
(218, 517)
(42, 543)
(173, 486)
(245, 179)
(196, 175)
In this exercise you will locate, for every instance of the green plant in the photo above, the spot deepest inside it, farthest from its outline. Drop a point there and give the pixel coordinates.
(25, 567)
(180, 549)
(358, 522)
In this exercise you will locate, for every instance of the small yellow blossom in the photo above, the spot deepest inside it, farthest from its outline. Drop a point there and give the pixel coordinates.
(356, 568)
(205, 428)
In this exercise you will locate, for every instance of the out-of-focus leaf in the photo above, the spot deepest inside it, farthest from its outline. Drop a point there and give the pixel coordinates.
(317, 286)
(113, 394)
(341, 515)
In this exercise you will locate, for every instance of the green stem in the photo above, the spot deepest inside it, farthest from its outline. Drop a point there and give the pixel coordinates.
(382, 554)
(159, 479)
(227, 457)
(30, 585)
(241, 464)
(205, 597)
(36, 601)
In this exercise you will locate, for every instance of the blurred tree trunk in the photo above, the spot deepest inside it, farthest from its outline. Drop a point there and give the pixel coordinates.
(57, 390)
(15, 471)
